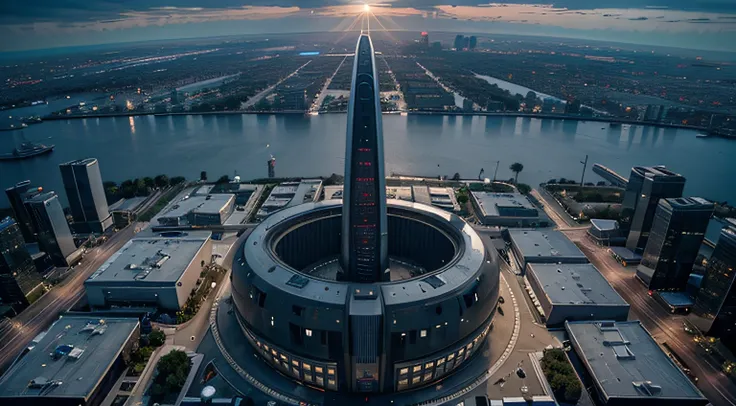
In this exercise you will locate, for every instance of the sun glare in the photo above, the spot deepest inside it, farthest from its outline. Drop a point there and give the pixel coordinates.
(366, 8)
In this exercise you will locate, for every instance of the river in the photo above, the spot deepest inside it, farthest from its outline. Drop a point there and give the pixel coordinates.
(430, 145)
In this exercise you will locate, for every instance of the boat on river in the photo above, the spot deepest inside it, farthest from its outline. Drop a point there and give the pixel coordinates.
(27, 150)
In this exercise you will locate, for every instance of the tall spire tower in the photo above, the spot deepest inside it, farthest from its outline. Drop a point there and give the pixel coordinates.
(364, 230)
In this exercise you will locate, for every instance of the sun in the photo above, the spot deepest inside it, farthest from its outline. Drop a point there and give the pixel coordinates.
(366, 8)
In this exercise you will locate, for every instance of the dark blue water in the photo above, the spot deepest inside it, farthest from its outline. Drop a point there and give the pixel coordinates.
(310, 146)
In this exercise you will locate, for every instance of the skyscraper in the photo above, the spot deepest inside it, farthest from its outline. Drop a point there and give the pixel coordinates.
(86, 195)
(646, 186)
(674, 241)
(18, 276)
(714, 312)
(54, 236)
(425, 39)
(271, 167)
(17, 195)
(364, 240)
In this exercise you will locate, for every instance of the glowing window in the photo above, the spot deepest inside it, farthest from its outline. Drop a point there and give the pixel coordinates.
(330, 371)
(417, 368)
(320, 380)
(308, 332)
(307, 367)
(423, 333)
(318, 370)
(404, 371)
(440, 361)
(428, 365)
(295, 363)
(416, 379)
(427, 377)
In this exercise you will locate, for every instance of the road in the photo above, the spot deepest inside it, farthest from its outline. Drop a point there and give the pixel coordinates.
(253, 100)
(661, 324)
(38, 316)
(323, 93)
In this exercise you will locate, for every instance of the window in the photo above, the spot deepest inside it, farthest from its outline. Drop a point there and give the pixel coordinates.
(283, 357)
(423, 333)
(469, 346)
(404, 371)
(318, 370)
(403, 383)
(440, 361)
(428, 365)
(427, 377)
(295, 363)
(417, 368)
(295, 371)
(331, 382)
(307, 367)
(461, 352)
(320, 381)
(308, 377)
(308, 332)
(416, 379)
(274, 352)
(265, 347)
(450, 357)
(330, 371)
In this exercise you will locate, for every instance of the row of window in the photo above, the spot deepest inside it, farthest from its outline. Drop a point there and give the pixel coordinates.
(419, 374)
(318, 374)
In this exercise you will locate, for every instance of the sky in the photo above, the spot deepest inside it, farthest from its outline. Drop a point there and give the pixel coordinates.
(41, 24)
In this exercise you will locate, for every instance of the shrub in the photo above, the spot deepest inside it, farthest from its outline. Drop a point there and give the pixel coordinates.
(157, 338)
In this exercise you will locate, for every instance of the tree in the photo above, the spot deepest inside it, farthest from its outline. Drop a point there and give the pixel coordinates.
(516, 167)
(456, 176)
(177, 180)
(157, 338)
(161, 181)
(173, 369)
(148, 181)
(462, 199)
(524, 188)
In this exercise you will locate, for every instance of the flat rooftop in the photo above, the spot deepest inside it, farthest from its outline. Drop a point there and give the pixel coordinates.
(127, 204)
(157, 257)
(604, 225)
(622, 358)
(625, 254)
(575, 284)
(76, 351)
(547, 243)
(199, 204)
(490, 202)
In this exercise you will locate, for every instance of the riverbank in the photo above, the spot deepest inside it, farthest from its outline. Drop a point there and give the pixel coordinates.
(541, 116)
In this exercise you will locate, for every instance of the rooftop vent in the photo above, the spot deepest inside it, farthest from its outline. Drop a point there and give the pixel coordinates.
(76, 353)
(38, 382)
(647, 388)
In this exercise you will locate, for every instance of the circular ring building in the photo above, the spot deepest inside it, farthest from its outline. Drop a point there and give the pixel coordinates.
(365, 295)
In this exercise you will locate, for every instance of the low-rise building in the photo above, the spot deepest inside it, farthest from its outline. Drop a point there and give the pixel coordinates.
(444, 198)
(289, 194)
(152, 270)
(507, 209)
(441, 197)
(627, 367)
(574, 292)
(544, 247)
(606, 232)
(199, 210)
(77, 362)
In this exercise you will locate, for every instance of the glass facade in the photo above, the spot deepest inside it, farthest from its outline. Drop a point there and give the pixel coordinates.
(54, 236)
(714, 312)
(411, 375)
(85, 192)
(18, 276)
(676, 235)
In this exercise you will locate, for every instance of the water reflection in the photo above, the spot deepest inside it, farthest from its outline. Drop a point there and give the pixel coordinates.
(131, 121)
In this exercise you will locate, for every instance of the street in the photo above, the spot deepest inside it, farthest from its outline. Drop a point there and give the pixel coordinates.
(662, 325)
(39, 315)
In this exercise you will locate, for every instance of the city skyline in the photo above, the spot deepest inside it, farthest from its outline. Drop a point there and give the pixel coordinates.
(706, 26)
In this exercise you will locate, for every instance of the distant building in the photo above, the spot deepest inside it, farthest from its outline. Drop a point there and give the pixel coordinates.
(424, 39)
(17, 195)
(54, 236)
(18, 276)
(468, 105)
(123, 211)
(472, 42)
(506, 209)
(544, 247)
(714, 312)
(574, 292)
(572, 107)
(86, 195)
(289, 194)
(655, 113)
(155, 269)
(441, 197)
(271, 167)
(199, 210)
(77, 362)
(495, 106)
(459, 43)
(646, 186)
(627, 367)
(674, 241)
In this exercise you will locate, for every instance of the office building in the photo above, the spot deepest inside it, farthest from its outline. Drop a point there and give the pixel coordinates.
(544, 247)
(675, 238)
(606, 232)
(412, 311)
(289, 194)
(646, 186)
(86, 195)
(200, 210)
(627, 367)
(76, 363)
(151, 270)
(714, 312)
(16, 196)
(507, 209)
(18, 276)
(54, 236)
(574, 292)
